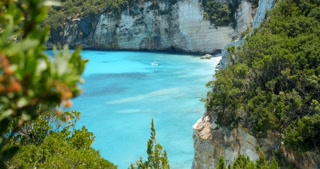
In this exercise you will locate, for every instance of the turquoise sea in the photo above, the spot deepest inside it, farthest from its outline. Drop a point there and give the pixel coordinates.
(123, 91)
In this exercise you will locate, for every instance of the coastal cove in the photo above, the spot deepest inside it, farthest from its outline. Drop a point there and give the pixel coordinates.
(123, 91)
(120, 84)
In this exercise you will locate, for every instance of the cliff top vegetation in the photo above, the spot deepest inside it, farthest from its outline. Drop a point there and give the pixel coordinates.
(73, 10)
(220, 14)
(273, 82)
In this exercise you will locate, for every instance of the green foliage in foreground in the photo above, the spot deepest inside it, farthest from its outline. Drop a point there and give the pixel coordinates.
(50, 142)
(273, 83)
(243, 162)
(157, 156)
(32, 86)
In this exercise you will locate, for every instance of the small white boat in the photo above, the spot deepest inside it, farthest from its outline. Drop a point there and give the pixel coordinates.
(155, 63)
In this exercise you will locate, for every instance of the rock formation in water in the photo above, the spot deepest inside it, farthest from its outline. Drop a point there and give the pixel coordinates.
(174, 27)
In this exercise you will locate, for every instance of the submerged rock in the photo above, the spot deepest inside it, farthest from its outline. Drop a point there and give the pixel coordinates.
(206, 56)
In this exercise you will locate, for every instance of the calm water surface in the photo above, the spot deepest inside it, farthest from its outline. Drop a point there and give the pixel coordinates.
(123, 91)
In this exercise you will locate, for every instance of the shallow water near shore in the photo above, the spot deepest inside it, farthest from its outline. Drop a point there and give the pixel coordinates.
(123, 91)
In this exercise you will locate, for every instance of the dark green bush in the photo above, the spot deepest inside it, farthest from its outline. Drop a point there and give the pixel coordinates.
(273, 83)
(220, 14)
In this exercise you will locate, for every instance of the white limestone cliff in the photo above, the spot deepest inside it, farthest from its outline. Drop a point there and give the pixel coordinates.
(181, 28)
(211, 142)
(175, 27)
(263, 8)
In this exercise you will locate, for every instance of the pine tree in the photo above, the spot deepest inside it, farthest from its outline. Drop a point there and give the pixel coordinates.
(274, 164)
(157, 156)
(221, 164)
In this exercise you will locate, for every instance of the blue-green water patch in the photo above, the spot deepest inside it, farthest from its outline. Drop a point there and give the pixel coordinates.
(123, 91)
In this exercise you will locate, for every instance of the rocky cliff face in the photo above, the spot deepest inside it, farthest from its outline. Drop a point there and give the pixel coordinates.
(212, 141)
(260, 14)
(176, 27)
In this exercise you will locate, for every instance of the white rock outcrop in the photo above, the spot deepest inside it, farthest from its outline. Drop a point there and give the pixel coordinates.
(182, 27)
(211, 142)
(264, 7)
(174, 27)
(244, 16)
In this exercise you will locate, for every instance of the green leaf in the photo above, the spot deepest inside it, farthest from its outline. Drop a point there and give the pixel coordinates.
(25, 117)
(6, 114)
(51, 3)
(22, 102)
(22, 47)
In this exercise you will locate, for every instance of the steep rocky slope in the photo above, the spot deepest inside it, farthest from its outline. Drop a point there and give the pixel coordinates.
(212, 141)
(174, 27)
(239, 136)
(261, 11)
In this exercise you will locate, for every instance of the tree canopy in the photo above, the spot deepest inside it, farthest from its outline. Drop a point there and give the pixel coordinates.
(51, 141)
(73, 10)
(220, 13)
(32, 87)
(242, 162)
(273, 82)
(157, 156)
